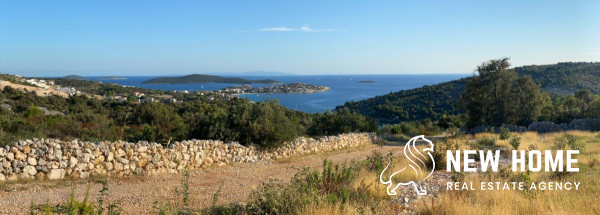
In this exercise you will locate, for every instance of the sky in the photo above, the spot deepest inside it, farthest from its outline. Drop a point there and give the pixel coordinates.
(54, 38)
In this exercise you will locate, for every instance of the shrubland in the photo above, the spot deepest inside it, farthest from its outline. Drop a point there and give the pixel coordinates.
(24, 115)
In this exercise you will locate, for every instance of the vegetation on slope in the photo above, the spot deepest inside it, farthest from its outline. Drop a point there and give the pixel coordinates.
(266, 124)
(99, 88)
(564, 78)
(442, 100)
(415, 104)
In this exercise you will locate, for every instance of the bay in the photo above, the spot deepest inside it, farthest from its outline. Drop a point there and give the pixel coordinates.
(344, 88)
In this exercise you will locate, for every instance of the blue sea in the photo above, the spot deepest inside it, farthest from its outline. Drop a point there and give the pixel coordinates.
(344, 88)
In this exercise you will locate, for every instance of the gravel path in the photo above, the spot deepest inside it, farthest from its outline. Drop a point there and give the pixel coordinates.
(137, 194)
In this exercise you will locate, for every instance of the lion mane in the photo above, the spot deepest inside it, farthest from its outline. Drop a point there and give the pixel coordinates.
(417, 165)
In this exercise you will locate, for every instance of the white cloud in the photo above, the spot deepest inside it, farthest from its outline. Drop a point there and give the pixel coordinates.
(278, 29)
(302, 29)
(308, 29)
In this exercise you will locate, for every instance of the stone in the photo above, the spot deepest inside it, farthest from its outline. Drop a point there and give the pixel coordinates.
(26, 149)
(99, 160)
(42, 162)
(2, 177)
(110, 156)
(32, 161)
(142, 162)
(20, 156)
(45, 158)
(120, 153)
(123, 161)
(62, 164)
(29, 170)
(108, 166)
(57, 154)
(81, 166)
(73, 161)
(97, 153)
(56, 174)
(118, 166)
(86, 157)
(156, 159)
(84, 175)
(142, 149)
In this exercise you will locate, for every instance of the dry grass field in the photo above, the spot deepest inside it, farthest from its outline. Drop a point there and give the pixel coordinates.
(583, 201)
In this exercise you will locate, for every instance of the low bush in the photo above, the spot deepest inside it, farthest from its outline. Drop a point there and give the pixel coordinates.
(425, 127)
(569, 140)
(515, 142)
(439, 152)
(335, 186)
(83, 207)
(504, 133)
(486, 142)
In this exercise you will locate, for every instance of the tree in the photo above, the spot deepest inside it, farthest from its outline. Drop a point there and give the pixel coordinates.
(525, 101)
(496, 96)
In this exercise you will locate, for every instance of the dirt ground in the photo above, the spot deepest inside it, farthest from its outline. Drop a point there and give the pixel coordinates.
(137, 194)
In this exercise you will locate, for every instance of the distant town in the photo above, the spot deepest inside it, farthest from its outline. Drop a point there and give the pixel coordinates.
(293, 88)
(47, 87)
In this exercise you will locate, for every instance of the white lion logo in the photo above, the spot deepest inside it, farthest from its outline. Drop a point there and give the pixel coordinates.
(417, 164)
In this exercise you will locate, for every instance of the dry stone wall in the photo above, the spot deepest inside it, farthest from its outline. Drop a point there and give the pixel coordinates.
(55, 159)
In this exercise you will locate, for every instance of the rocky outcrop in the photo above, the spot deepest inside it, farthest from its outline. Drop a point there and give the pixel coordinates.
(55, 159)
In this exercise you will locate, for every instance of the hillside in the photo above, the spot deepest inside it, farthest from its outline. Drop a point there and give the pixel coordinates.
(436, 100)
(198, 78)
(564, 78)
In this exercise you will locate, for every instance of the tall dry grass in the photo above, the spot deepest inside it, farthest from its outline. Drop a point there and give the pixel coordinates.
(586, 200)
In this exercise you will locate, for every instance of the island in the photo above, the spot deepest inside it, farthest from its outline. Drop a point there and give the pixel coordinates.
(74, 77)
(366, 82)
(199, 78)
(293, 88)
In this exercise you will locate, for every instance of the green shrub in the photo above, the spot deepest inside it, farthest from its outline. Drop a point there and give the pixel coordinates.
(377, 162)
(425, 127)
(486, 142)
(439, 153)
(33, 111)
(504, 133)
(341, 121)
(76, 207)
(574, 142)
(515, 142)
(568, 140)
(333, 185)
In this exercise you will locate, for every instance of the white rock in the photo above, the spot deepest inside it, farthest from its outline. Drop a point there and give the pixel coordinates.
(72, 162)
(32, 161)
(30, 170)
(118, 166)
(56, 174)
